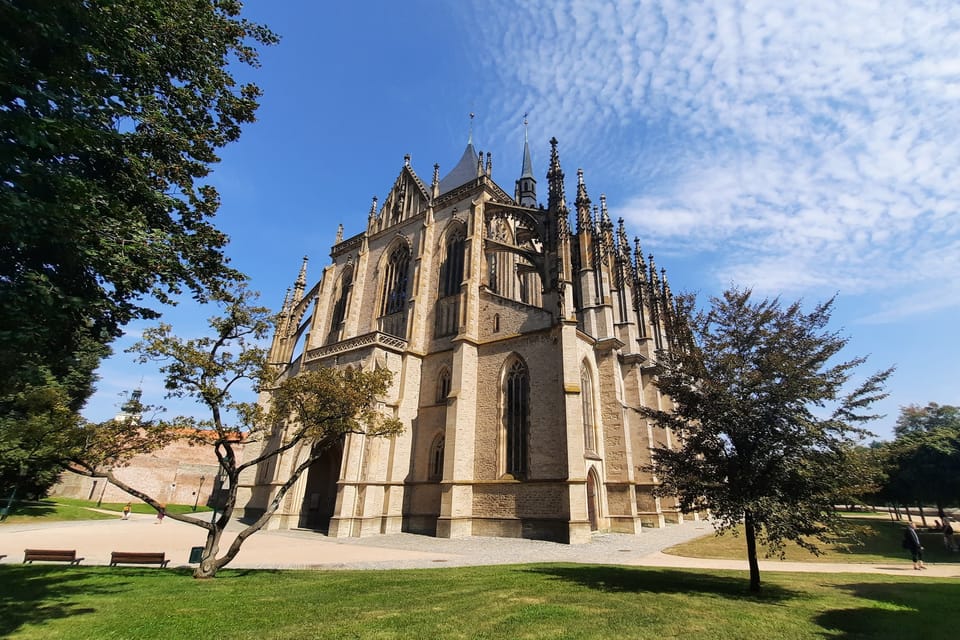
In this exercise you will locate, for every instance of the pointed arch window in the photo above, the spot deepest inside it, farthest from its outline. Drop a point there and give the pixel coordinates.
(451, 270)
(393, 300)
(443, 385)
(436, 458)
(516, 419)
(448, 288)
(340, 305)
(586, 397)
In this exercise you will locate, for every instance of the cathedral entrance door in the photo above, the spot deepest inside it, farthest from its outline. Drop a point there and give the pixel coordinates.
(592, 501)
(320, 496)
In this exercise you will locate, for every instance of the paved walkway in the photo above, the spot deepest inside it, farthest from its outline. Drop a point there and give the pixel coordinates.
(297, 549)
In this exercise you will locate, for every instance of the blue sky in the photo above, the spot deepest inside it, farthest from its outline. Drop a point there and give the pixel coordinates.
(804, 151)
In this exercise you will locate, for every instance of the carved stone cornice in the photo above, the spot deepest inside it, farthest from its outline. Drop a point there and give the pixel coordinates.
(372, 339)
(347, 245)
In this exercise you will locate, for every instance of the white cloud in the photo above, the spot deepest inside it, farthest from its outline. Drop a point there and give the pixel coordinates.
(816, 142)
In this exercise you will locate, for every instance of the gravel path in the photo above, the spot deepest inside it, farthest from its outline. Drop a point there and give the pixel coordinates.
(298, 549)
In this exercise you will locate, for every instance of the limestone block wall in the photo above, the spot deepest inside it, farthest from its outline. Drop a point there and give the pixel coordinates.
(170, 475)
(547, 442)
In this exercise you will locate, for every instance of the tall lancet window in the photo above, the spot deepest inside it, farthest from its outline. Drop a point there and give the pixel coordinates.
(451, 270)
(586, 397)
(342, 299)
(395, 290)
(448, 288)
(516, 418)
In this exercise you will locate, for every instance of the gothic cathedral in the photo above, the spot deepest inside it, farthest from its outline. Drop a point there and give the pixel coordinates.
(521, 350)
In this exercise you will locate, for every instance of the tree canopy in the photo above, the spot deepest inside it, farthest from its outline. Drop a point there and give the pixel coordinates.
(111, 115)
(923, 461)
(765, 427)
(303, 415)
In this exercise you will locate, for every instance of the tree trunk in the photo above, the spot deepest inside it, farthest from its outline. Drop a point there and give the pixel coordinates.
(923, 517)
(940, 512)
(750, 528)
(906, 509)
(208, 561)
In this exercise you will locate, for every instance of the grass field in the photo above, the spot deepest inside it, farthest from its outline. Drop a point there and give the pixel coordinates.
(878, 540)
(532, 601)
(74, 509)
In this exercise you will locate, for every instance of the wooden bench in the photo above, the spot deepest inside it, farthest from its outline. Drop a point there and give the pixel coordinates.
(51, 555)
(138, 557)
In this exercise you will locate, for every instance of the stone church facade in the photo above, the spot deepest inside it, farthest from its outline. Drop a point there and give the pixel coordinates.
(522, 348)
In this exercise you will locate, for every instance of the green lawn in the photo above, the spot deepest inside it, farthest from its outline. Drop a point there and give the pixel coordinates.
(878, 541)
(532, 601)
(135, 507)
(51, 510)
(74, 509)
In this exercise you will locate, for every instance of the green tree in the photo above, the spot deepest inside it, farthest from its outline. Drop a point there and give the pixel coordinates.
(765, 429)
(916, 419)
(36, 428)
(924, 457)
(306, 415)
(111, 115)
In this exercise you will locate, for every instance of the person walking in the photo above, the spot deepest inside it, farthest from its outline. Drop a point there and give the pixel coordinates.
(911, 542)
(126, 511)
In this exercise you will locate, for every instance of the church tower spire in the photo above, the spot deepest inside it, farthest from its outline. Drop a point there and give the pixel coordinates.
(526, 190)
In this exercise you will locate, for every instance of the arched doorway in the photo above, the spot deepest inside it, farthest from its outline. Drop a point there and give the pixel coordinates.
(593, 500)
(320, 495)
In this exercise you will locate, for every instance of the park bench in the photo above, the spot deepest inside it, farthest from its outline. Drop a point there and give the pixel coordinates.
(51, 555)
(138, 557)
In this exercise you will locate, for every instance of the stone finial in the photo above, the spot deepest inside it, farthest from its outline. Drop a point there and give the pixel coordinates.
(489, 164)
(301, 282)
(406, 160)
(373, 209)
(339, 237)
(556, 201)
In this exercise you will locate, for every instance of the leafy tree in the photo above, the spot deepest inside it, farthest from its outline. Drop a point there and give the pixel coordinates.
(306, 415)
(38, 426)
(865, 467)
(916, 419)
(111, 115)
(765, 432)
(924, 458)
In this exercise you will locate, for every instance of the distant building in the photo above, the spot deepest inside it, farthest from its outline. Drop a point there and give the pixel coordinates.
(179, 473)
(522, 349)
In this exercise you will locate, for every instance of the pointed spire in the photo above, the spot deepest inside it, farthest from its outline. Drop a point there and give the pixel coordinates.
(436, 175)
(489, 164)
(556, 197)
(406, 159)
(301, 284)
(526, 189)
(605, 223)
(582, 205)
(623, 243)
(639, 284)
(373, 209)
(639, 265)
(479, 163)
(470, 136)
(526, 171)
(284, 313)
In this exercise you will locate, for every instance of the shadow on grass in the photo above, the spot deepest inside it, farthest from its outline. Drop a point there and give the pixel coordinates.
(921, 610)
(35, 594)
(663, 581)
(33, 509)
